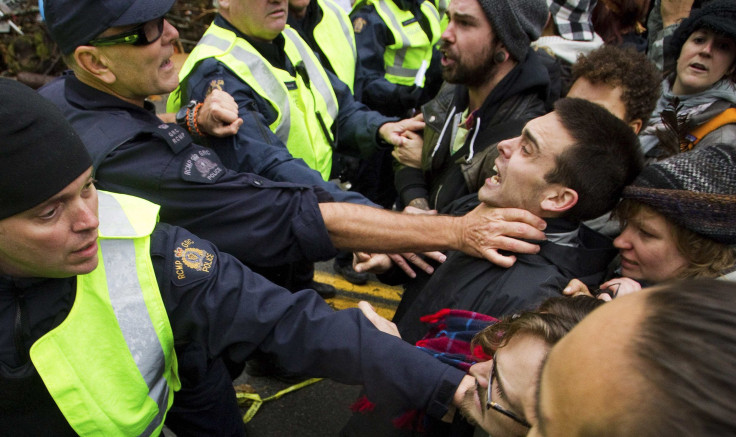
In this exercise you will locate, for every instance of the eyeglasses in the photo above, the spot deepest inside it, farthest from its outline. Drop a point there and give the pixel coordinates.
(490, 404)
(141, 35)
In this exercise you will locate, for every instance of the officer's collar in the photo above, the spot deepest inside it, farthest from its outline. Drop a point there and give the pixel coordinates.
(9, 282)
(84, 95)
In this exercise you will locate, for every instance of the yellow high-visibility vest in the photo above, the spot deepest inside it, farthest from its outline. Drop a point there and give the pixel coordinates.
(110, 365)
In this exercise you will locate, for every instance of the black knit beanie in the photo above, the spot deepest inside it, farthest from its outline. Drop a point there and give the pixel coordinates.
(718, 16)
(696, 190)
(40, 153)
(516, 22)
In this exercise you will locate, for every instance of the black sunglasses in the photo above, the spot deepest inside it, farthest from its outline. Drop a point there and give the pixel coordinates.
(141, 35)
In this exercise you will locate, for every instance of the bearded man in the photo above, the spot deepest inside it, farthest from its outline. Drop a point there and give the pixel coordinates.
(493, 85)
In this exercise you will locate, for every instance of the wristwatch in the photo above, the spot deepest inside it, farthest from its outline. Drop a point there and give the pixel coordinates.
(181, 114)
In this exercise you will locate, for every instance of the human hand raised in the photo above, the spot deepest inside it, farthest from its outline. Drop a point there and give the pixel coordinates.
(576, 287)
(392, 132)
(218, 115)
(378, 263)
(618, 287)
(371, 262)
(486, 230)
(409, 152)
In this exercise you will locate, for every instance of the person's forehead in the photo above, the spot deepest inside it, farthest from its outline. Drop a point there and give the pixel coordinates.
(517, 365)
(471, 8)
(548, 134)
(589, 374)
(608, 96)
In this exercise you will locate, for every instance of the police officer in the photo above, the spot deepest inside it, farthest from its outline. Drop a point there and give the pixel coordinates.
(260, 222)
(94, 309)
(326, 28)
(396, 45)
(284, 94)
(120, 54)
(399, 71)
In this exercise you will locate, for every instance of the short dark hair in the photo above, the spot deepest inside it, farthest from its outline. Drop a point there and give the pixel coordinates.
(625, 67)
(685, 349)
(604, 158)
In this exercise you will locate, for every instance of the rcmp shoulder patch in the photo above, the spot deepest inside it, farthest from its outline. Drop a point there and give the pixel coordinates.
(215, 84)
(203, 166)
(175, 137)
(359, 24)
(191, 262)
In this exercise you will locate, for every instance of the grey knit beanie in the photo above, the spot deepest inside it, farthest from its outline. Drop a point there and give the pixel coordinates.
(696, 190)
(516, 22)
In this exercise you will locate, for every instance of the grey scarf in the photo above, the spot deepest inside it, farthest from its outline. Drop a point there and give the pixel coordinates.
(692, 106)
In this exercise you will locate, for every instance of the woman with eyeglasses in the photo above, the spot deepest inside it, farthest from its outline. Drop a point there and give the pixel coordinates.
(703, 86)
(679, 221)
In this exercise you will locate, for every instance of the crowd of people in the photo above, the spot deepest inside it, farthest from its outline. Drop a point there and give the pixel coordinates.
(552, 182)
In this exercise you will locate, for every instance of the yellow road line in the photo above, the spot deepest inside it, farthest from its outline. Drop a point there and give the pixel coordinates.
(340, 303)
(384, 298)
(372, 289)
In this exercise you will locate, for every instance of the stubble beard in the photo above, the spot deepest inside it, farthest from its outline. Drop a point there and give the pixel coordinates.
(472, 75)
(467, 407)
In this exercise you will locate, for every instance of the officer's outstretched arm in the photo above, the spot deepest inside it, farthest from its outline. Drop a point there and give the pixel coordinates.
(482, 232)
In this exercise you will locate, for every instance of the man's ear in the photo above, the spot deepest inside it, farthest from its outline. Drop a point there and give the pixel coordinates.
(636, 125)
(558, 199)
(93, 63)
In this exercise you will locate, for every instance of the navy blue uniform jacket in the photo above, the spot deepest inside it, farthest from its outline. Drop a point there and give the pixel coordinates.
(231, 311)
(262, 223)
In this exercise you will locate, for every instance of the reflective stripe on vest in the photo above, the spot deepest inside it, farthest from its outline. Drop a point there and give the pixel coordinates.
(110, 365)
(316, 73)
(441, 6)
(304, 115)
(336, 45)
(403, 59)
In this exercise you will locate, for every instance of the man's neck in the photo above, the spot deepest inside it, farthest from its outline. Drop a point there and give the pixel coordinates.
(478, 95)
(107, 89)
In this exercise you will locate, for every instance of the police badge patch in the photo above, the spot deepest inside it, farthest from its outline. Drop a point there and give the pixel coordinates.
(359, 24)
(191, 263)
(216, 84)
(202, 166)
